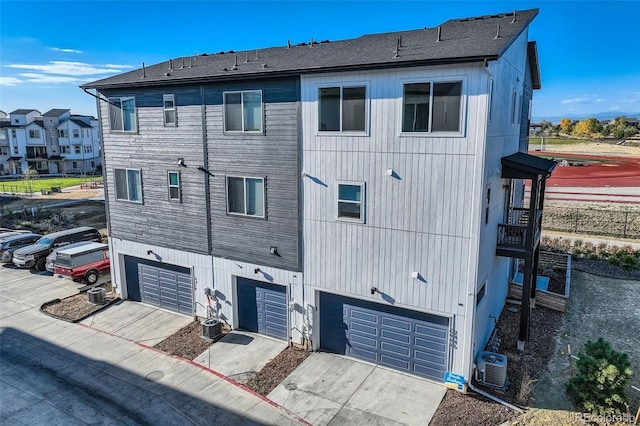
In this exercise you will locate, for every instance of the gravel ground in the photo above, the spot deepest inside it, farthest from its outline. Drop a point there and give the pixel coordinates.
(77, 306)
(277, 370)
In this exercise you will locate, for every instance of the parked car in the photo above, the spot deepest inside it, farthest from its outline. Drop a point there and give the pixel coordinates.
(4, 232)
(50, 264)
(35, 256)
(85, 262)
(14, 242)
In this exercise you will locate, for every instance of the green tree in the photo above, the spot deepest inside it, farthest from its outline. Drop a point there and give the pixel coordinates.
(602, 376)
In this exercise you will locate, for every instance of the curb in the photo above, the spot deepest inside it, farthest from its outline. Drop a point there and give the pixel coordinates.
(73, 321)
(209, 370)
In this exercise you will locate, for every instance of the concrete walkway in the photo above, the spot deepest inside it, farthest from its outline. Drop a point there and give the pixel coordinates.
(54, 372)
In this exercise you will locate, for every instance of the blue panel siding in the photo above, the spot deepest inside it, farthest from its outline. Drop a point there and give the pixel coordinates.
(273, 90)
(406, 340)
(262, 308)
(159, 284)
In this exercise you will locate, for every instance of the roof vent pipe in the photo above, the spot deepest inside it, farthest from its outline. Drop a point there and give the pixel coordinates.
(195, 56)
(497, 33)
(311, 43)
(396, 53)
(190, 63)
(514, 20)
(438, 39)
(256, 53)
(246, 57)
(182, 66)
(400, 41)
(288, 44)
(171, 64)
(144, 71)
(235, 63)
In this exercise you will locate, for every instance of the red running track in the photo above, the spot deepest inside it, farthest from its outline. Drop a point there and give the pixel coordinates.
(597, 171)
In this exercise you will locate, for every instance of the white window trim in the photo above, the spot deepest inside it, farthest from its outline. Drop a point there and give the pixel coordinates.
(135, 109)
(224, 112)
(434, 80)
(178, 186)
(363, 199)
(264, 196)
(36, 134)
(128, 200)
(172, 97)
(367, 110)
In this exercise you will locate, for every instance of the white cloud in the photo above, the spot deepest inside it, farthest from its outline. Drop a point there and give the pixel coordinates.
(46, 78)
(9, 81)
(57, 49)
(585, 99)
(70, 68)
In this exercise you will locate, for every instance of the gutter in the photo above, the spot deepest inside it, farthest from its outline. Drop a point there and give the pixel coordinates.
(496, 399)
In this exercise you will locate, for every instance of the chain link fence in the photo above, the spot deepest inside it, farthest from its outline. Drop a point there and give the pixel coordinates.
(592, 221)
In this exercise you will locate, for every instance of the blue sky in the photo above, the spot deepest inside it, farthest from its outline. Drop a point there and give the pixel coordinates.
(589, 50)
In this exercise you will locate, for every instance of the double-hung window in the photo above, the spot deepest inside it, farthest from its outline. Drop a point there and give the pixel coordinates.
(351, 201)
(76, 133)
(34, 134)
(76, 149)
(173, 179)
(342, 109)
(243, 111)
(128, 185)
(431, 107)
(122, 114)
(169, 106)
(246, 196)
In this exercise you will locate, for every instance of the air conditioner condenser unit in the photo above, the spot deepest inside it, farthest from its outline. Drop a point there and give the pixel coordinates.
(492, 369)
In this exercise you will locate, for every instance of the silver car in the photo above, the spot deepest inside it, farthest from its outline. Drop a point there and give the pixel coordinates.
(11, 243)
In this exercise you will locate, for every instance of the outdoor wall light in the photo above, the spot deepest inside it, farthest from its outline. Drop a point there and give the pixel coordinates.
(181, 162)
(150, 252)
(373, 290)
(390, 172)
(415, 274)
(256, 271)
(303, 174)
(274, 251)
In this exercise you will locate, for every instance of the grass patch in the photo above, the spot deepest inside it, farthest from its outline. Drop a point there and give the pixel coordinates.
(36, 184)
(535, 140)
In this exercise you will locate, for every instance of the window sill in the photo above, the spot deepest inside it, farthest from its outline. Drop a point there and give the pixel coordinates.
(248, 216)
(243, 132)
(129, 201)
(432, 135)
(345, 134)
(350, 220)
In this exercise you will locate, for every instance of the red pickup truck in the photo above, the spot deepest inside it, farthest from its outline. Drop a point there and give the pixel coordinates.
(86, 262)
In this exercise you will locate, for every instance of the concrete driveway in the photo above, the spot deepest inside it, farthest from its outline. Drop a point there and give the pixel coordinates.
(332, 389)
(54, 372)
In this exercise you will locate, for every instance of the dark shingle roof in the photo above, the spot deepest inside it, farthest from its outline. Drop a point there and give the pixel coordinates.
(526, 166)
(24, 111)
(461, 40)
(80, 123)
(55, 112)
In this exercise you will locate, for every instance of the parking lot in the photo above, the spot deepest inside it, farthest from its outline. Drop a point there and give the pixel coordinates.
(57, 372)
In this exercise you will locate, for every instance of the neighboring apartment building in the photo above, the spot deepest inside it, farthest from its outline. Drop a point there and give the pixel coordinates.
(29, 139)
(361, 196)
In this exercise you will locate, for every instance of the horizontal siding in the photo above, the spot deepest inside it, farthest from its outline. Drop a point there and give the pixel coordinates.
(155, 151)
(274, 156)
(273, 90)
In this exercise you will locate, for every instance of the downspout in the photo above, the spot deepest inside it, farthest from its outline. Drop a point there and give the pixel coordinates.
(496, 399)
(207, 197)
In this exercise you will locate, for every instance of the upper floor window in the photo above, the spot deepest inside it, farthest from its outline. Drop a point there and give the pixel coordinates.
(173, 179)
(169, 105)
(64, 149)
(76, 133)
(76, 149)
(4, 151)
(88, 149)
(351, 201)
(245, 196)
(122, 114)
(243, 111)
(128, 185)
(432, 107)
(34, 134)
(342, 109)
(63, 133)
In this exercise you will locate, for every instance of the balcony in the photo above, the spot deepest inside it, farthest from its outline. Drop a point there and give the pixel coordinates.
(37, 156)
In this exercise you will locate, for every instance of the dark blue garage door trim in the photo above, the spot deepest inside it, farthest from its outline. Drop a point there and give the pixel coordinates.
(262, 308)
(159, 284)
(406, 340)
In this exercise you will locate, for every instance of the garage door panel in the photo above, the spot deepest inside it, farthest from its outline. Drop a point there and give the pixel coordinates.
(396, 337)
(262, 307)
(398, 323)
(406, 340)
(165, 288)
